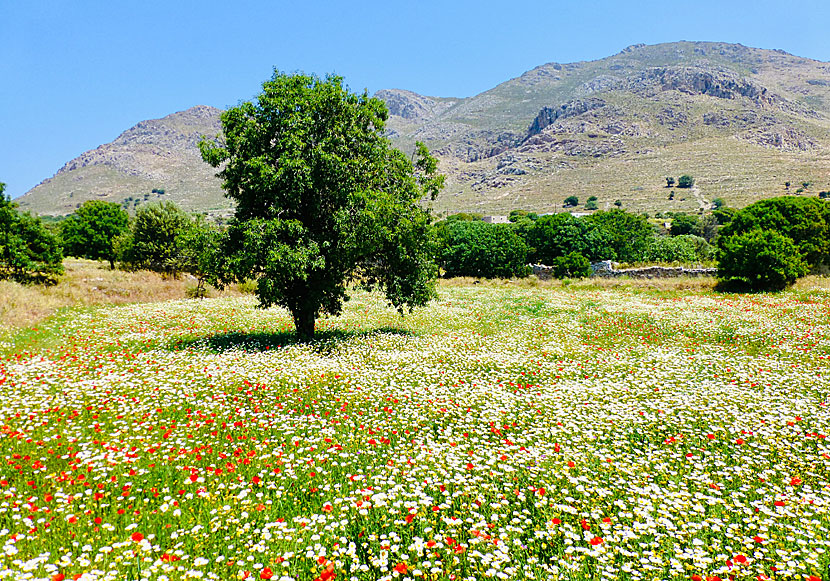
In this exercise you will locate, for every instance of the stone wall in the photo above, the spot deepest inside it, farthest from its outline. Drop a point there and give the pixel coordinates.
(606, 269)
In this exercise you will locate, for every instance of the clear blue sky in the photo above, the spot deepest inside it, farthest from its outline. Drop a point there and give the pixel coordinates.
(76, 73)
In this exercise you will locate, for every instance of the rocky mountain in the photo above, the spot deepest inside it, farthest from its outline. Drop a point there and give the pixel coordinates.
(742, 121)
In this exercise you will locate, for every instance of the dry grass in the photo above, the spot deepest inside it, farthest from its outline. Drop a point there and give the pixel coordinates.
(86, 282)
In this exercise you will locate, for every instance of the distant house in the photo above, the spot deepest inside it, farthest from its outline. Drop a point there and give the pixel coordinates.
(496, 219)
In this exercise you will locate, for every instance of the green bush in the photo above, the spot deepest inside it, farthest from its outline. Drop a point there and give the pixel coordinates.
(760, 259)
(482, 250)
(805, 221)
(29, 253)
(685, 249)
(591, 205)
(573, 265)
(683, 224)
(150, 243)
(685, 181)
(570, 201)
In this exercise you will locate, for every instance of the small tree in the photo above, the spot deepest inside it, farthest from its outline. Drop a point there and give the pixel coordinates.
(150, 243)
(570, 202)
(91, 231)
(591, 205)
(28, 251)
(685, 181)
(323, 199)
(198, 249)
(685, 224)
(761, 259)
(669, 182)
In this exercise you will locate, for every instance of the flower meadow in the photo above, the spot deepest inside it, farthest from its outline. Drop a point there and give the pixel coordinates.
(507, 433)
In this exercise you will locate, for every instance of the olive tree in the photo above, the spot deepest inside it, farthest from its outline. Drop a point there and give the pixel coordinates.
(322, 199)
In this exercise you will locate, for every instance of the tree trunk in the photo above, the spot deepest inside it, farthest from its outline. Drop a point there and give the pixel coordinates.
(304, 322)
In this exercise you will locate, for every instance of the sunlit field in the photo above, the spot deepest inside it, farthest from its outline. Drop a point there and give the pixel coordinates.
(510, 433)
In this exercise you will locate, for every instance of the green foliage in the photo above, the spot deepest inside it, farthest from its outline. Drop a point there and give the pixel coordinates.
(482, 250)
(724, 215)
(685, 181)
(516, 215)
(683, 224)
(572, 265)
(29, 253)
(592, 199)
(464, 217)
(824, 195)
(322, 199)
(198, 248)
(669, 182)
(624, 236)
(760, 259)
(618, 203)
(591, 205)
(90, 232)
(685, 248)
(718, 203)
(805, 221)
(151, 241)
(558, 235)
(570, 201)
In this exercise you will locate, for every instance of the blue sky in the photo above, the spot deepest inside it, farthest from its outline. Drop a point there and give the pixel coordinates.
(75, 73)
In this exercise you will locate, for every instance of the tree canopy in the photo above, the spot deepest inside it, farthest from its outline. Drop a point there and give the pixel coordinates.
(28, 251)
(150, 243)
(90, 232)
(322, 199)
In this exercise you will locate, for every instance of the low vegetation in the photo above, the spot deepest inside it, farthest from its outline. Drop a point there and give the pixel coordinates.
(501, 432)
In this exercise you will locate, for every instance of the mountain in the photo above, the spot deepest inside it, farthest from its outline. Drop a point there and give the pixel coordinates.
(742, 121)
(158, 154)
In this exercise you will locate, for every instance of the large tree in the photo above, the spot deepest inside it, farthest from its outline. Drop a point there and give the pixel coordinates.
(90, 232)
(322, 199)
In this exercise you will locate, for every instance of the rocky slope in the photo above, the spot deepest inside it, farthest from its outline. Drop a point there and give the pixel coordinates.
(743, 121)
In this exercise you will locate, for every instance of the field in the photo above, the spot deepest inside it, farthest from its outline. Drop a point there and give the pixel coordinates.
(503, 432)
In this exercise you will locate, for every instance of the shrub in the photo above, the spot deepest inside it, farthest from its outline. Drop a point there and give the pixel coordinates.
(29, 253)
(685, 181)
(573, 265)
(805, 221)
(570, 202)
(482, 250)
(684, 249)
(150, 244)
(683, 224)
(591, 205)
(762, 259)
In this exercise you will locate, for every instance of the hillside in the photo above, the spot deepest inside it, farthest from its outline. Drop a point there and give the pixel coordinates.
(742, 120)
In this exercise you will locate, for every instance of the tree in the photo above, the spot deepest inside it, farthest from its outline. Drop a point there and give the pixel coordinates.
(558, 235)
(669, 182)
(682, 224)
(150, 243)
(805, 221)
(761, 259)
(482, 250)
(198, 253)
(624, 236)
(572, 265)
(685, 181)
(90, 232)
(28, 251)
(570, 201)
(323, 199)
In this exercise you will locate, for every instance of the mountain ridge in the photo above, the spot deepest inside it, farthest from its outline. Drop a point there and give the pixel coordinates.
(742, 120)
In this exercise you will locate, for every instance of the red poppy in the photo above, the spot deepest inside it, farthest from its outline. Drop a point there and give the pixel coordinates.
(597, 541)
(401, 568)
(137, 537)
(266, 573)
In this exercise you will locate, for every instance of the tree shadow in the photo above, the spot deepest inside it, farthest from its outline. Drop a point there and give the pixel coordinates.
(253, 342)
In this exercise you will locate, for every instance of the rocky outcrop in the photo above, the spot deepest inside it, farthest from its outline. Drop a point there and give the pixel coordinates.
(550, 115)
(699, 81)
(406, 104)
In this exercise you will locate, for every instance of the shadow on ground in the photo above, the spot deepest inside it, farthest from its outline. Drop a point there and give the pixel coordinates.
(323, 341)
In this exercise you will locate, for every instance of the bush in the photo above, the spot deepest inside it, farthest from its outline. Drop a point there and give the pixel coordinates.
(761, 259)
(574, 265)
(621, 236)
(482, 250)
(517, 215)
(570, 201)
(29, 253)
(685, 181)
(683, 224)
(591, 205)
(684, 249)
(805, 221)
(150, 244)
(560, 234)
